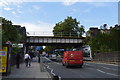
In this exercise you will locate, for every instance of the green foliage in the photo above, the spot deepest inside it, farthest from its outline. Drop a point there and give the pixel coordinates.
(49, 49)
(105, 42)
(69, 27)
(15, 49)
(9, 32)
(115, 38)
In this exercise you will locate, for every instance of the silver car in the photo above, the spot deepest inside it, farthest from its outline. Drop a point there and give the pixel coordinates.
(53, 56)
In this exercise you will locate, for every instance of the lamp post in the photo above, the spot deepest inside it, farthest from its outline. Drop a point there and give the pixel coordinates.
(78, 34)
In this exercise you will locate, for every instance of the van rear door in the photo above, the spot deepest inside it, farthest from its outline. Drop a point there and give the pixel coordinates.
(75, 55)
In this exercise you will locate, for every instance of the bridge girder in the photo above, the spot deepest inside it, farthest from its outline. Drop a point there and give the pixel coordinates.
(54, 41)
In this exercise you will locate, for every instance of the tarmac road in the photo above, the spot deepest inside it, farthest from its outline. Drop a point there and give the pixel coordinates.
(88, 71)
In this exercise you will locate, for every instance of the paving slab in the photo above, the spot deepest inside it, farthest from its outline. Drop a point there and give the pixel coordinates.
(34, 71)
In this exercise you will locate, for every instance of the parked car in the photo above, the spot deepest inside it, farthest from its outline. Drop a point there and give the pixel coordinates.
(53, 56)
(72, 58)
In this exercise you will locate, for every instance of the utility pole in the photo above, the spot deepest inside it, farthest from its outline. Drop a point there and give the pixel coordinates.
(70, 34)
(34, 33)
(78, 34)
(61, 34)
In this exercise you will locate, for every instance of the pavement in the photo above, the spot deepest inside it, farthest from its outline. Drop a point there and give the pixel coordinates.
(35, 71)
(104, 62)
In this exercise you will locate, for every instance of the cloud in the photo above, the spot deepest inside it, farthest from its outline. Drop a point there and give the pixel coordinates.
(14, 1)
(3, 4)
(7, 9)
(97, 4)
(40, 28)
(36, 7)
(73, 11)
(14, 13)
(19, 11)
(87, 10)
(69, 2)
(6, 3)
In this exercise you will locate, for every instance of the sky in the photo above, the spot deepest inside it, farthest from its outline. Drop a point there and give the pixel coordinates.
(39, 17)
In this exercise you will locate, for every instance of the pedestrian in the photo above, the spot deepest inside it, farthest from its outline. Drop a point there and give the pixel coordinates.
(27, 60)
(47, 55)
(18, 57)
(31, 54)
(39, 56)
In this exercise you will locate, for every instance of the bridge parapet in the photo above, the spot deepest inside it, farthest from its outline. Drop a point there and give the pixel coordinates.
(46, 39)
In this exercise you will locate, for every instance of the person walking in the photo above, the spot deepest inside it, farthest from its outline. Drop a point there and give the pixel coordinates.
(27, 60)
(38, 57)
(18, 57)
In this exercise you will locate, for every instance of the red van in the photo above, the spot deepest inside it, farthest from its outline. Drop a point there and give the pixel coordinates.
(72, 58)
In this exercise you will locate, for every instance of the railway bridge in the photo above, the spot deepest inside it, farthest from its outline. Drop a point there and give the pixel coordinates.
(54, 41)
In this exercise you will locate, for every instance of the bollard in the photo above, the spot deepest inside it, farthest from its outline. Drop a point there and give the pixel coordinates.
(55, 77)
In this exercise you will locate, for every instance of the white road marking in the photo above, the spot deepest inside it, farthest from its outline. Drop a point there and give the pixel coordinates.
(106, 67)
(87, 64)
(109, 68)
(106, 72)
(112, 74)
(47, 66)
(102, 67)
(59, 78)
(52, 72)
(103, 71)
(105, 64)
(90, 68)
(100, 71)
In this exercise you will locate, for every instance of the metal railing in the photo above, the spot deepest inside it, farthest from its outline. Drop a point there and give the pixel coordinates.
(48, 33)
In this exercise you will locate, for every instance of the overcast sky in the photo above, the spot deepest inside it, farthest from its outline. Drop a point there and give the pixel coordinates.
(39, 17)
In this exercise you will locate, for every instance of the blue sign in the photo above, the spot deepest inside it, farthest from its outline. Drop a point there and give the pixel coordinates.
(38, 48)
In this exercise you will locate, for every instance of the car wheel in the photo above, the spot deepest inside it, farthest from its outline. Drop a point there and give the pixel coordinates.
(63, 64)
(66, 64)
(80, 66)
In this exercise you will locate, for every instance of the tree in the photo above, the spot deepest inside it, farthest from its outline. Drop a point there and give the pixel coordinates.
(104, 26)
(115, 38)
(105, 42)
(69, 27)
(9, 32)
